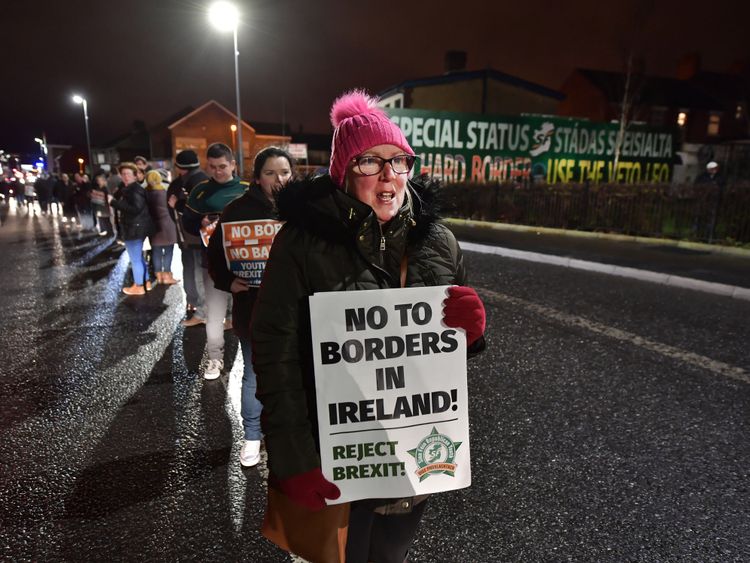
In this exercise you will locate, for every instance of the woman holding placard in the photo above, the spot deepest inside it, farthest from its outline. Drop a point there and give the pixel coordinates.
(365, 225)
(237, 267)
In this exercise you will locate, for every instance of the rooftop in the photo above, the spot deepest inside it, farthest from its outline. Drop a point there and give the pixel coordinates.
(465, 75)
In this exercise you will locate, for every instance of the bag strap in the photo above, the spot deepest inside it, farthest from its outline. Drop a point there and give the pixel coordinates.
(404, 261)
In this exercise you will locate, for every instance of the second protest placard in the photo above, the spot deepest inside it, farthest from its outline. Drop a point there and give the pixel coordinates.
(247, 245)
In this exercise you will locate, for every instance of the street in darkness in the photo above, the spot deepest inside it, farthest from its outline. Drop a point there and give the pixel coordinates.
(609, 420)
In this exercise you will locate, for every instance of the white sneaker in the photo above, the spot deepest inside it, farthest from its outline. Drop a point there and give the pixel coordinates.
(213, 369)
(250, 453)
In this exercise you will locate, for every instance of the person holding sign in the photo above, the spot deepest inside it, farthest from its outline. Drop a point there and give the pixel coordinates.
(202, 210)
(237, 255)
(363, 226)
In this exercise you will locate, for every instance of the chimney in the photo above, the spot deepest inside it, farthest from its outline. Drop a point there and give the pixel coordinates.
(689, 66)
(455, 61)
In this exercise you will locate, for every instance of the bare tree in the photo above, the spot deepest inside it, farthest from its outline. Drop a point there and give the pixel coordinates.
(634, 75)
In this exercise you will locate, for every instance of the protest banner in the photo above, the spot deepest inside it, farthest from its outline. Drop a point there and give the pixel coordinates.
(247, 245)
(392, 400)
(207, 231)
(484, 148)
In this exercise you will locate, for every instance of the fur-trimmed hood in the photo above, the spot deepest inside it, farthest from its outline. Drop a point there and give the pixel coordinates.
(319, 206)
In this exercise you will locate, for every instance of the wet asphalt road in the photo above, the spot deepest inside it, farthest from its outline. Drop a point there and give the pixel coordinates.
(610, 420)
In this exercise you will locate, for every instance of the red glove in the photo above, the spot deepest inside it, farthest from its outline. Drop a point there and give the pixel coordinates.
(463, 309)
(310, 489)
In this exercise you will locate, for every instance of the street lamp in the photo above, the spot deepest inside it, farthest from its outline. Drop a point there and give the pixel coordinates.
(81, 100)
(80, 165)
(225, 17)
(233, 128)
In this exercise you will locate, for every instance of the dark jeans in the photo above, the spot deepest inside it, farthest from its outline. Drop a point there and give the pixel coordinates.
(161, 256)
(105, 225)
(192, 279)
(380, 538)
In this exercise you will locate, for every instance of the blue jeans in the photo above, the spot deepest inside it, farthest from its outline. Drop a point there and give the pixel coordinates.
(162, 257)
(251, 406)
(137, 261)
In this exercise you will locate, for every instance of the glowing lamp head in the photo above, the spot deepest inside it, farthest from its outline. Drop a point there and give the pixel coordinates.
(223, 16)
(77, 99)
(233, 127)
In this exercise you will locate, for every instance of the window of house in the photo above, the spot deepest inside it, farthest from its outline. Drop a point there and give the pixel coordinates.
(713, 124)
(682, 118)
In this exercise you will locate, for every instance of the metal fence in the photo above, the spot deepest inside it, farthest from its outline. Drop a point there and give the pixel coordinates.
(700, 213)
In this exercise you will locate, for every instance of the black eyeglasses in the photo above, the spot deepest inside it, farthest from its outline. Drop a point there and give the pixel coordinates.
(369, 165)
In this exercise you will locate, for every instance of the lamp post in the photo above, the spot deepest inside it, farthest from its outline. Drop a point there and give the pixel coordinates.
(225, 17)
(233, 129)
(81, 100)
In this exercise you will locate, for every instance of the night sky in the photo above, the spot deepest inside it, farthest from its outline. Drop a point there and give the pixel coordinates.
(148, 59)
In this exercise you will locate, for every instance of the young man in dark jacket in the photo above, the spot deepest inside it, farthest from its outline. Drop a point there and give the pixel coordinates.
(202, 210)
(189, 175)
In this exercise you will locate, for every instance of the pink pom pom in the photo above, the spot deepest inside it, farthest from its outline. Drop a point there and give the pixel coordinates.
(355, 102)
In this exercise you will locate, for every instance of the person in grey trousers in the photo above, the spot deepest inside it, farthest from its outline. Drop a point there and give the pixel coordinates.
(189, 175)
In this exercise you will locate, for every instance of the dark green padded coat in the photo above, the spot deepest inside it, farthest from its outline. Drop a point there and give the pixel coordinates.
(332, 242)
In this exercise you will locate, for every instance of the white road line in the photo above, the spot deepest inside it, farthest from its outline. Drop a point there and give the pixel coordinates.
(714, 366)
(634, 273)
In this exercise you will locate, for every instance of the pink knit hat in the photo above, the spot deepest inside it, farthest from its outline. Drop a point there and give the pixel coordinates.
(359, 124)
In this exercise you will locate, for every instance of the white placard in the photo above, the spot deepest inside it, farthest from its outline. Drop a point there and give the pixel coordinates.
(392, 400)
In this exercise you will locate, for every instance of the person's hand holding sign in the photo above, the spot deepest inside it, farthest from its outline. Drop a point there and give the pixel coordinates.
(208, 226)
(310, 489)
(464, 309)
(239, 285)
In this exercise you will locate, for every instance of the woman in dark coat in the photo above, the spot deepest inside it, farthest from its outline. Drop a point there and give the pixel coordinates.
(135, 226)
(272, 170)
(165, 232)
(364, 226)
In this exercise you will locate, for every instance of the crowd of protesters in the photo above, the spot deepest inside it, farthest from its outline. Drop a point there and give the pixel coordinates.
(80, 202)
(363, 225)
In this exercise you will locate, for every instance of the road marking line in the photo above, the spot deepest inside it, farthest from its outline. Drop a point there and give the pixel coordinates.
(622, 271)
(714, 366)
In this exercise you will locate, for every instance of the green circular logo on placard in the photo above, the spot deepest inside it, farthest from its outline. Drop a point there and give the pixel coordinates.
(435, 453)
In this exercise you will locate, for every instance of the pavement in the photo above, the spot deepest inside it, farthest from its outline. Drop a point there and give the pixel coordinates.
(709, 268)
